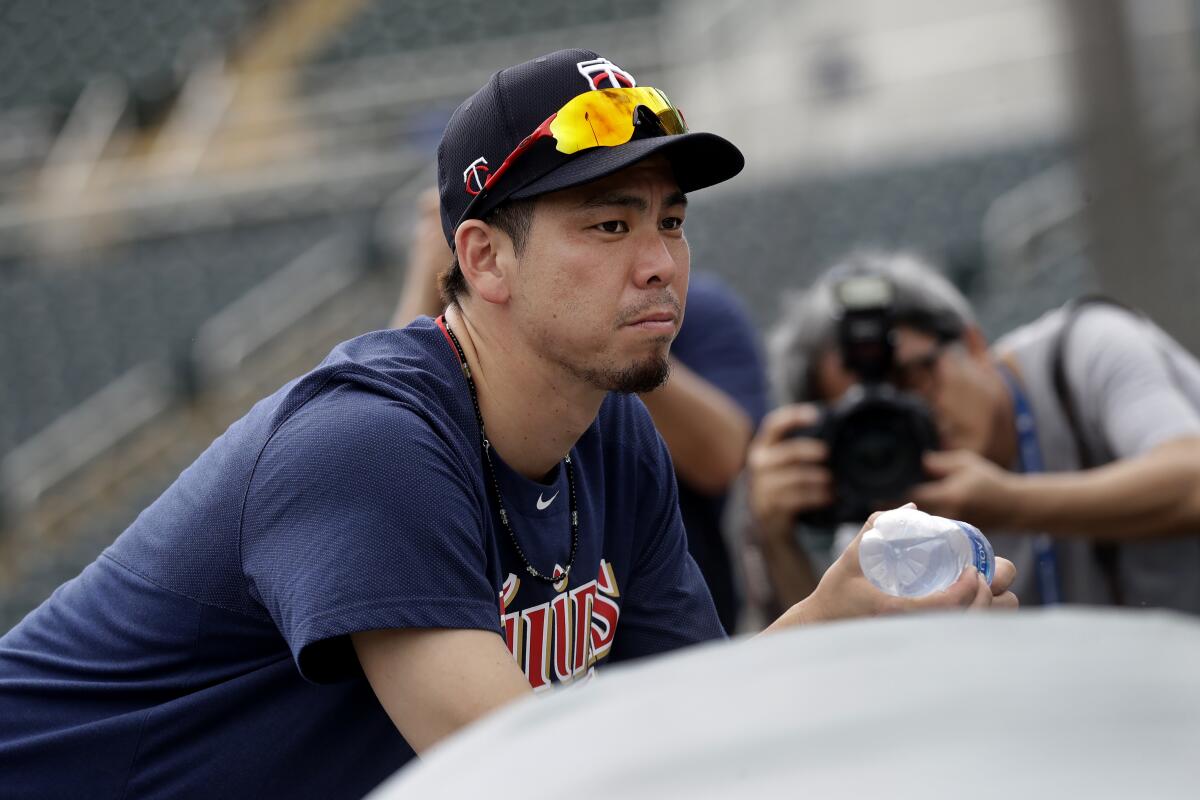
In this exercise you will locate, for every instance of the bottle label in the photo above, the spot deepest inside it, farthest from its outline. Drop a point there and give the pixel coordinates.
(979, 548)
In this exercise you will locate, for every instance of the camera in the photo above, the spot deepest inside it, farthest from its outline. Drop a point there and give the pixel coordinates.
(876, 434)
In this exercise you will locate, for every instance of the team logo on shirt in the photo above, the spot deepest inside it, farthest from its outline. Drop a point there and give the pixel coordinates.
(562, 639)
(600, 73)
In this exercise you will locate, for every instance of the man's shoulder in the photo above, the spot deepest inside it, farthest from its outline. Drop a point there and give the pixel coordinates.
(629, 443)
(389, 396)
(624, 418)
(1092, 325)
(407, 360)
(1031, 334)
(394, 374)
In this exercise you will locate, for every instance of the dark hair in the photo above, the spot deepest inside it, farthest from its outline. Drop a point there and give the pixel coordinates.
(924, 299)
(515, 218)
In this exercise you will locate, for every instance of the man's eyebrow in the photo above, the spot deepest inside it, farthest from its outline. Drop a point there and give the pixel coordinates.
(677, 198)
(623, 200)
(618, 199)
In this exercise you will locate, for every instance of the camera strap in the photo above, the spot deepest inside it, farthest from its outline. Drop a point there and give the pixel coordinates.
(1030, 459)
(1106, 552)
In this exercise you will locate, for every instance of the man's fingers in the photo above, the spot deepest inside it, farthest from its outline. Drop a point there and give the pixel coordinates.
(793, 490)
(939, 463)
(1008, 600)
(983, 593)
(815, 482)
(927, 495)
(785, 419)
(801, 450)
(964, 591)
(1004, 576)
(960, 594)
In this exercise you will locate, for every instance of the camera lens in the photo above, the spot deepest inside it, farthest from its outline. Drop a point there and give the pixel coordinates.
(877, 454)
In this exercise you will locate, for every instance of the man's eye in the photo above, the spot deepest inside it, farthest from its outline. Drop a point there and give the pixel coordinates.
(613, 226)
(672, 223)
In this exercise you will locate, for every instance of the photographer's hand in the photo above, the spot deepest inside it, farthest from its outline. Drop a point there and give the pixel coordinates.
(844, 592)
(787, 474)
(967, 486)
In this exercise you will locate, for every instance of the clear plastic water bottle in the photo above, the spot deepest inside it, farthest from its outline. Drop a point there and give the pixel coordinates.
(909, 553)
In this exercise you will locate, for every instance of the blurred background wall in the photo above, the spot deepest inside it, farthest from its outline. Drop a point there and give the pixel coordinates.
(197, 200)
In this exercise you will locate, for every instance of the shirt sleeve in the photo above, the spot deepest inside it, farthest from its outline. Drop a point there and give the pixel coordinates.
(1123, 384)
(720, 344)
(667, 603)
(359, 516)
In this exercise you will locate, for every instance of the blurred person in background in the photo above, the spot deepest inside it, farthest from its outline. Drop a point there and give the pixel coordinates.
(1073, 442)
(435, 521)
(706, 411)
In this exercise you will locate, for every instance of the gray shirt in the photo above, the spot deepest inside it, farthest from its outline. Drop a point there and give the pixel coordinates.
(1134, 388)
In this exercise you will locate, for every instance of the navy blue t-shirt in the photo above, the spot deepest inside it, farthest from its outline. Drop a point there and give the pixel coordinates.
(719, 343)
(207, 653)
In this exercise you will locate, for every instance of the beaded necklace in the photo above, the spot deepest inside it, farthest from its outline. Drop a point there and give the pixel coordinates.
(486, 446)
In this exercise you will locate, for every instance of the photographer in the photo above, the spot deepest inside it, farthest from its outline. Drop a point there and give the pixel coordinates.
(1102, 510)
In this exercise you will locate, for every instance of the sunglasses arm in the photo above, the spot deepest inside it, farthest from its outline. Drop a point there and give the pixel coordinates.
(541, 132)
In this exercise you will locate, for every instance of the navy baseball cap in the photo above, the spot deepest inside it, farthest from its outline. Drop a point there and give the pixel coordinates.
(489, 126)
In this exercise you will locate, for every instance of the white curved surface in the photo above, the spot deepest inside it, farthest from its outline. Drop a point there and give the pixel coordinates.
(1062, 703)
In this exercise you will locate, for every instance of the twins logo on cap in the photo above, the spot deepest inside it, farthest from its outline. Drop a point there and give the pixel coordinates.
(475, 176)
(599, 71)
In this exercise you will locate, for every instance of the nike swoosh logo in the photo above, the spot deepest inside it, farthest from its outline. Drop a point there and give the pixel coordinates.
(544, 504)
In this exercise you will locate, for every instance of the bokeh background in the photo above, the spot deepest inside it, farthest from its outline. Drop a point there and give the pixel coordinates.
(197, 200)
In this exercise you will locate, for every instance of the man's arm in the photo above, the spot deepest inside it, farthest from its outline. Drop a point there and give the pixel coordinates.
(1127, 396)
(1156, 494)
(789, 569)
(787, 476)
(433, 682)
(1152, 495)
(428, 254)
(706, 432)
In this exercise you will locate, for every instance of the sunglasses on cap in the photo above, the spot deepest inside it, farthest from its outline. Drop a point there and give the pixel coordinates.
(600, 118)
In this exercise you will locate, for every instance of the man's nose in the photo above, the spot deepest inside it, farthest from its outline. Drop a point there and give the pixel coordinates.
(657, 262)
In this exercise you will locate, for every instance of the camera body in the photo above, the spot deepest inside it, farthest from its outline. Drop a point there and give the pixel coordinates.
(876, 434)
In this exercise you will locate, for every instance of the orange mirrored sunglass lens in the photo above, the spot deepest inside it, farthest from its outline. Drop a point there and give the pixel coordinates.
(605, 117)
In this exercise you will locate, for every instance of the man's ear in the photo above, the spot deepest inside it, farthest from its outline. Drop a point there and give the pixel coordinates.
(486, 258)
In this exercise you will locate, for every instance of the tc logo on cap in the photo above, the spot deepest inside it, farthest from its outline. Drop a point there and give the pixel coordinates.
(601, 73)
(475, 176)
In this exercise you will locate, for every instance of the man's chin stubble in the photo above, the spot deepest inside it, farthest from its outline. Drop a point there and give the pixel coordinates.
(643, 376)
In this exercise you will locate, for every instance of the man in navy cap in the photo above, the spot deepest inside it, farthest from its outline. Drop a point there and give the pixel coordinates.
(436, 520)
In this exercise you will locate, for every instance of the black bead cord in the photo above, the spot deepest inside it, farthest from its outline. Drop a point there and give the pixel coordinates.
(495, 484)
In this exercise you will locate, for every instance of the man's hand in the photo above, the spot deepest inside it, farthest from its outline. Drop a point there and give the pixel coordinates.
(1154, 494)
(844, 592)
(967, 486)
(787, 474)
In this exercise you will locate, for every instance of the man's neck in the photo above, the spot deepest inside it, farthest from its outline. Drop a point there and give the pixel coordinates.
(533, 412)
